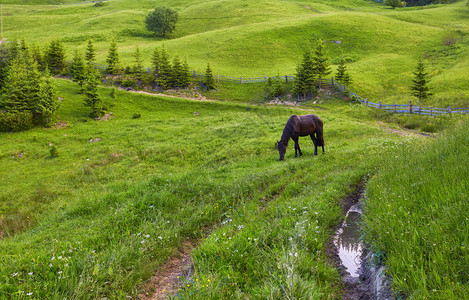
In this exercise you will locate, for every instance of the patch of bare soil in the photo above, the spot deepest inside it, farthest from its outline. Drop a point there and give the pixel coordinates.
(403, 132)
(167, 280)
(61, 124)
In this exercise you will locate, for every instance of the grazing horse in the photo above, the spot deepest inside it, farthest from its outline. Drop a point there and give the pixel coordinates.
(301, 126)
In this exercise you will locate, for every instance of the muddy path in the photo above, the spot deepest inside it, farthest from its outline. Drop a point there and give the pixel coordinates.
(362, 278)
(167, 281)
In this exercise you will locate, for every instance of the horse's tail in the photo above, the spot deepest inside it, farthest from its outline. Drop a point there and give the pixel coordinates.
(319, 133)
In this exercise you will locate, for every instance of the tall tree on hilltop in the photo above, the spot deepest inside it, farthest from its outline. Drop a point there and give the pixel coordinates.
(161, 21)
(321, 62)
(394, 3)
(90, 53)
(420, 87)
(113, 59)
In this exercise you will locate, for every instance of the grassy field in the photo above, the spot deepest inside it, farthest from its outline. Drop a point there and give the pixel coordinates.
(126, 194)
(256, 38)
(103, 215)
(416, 217)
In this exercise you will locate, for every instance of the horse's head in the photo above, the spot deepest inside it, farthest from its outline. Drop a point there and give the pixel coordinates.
(281, 150)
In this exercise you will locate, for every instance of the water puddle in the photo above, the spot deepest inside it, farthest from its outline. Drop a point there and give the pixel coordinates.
(348, 242)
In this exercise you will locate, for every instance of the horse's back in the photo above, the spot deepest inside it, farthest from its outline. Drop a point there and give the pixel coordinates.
(307, 124)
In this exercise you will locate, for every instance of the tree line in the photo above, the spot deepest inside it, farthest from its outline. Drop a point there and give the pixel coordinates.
(27, 97)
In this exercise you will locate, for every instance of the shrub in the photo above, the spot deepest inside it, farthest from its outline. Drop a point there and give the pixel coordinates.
(16, 121)
(53, 151)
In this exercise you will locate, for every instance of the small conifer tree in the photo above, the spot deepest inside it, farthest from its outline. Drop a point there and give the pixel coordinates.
(420, 82)
(55, 57)
(137, 68)
(91, 91)
(164, 79)
(321, 62)
(305, 76)
(90, 53)
(186, 74)
(209, 81)
(113, 59)
(177, 73)
(78, 70)
(37, 56)
(155, 59)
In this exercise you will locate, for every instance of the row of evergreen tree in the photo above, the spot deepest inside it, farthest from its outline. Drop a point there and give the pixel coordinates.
(314, 67)
(26, 95)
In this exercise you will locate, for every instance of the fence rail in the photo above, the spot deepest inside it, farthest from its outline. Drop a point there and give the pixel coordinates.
(402, 108)
(397, 108)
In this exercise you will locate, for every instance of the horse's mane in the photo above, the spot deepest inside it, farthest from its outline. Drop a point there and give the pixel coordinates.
(288, 130)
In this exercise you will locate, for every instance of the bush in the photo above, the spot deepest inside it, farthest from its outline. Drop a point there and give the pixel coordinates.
(17, 121)
(53, 151)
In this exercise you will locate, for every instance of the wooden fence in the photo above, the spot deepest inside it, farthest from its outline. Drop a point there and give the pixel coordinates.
(397, 108)
(402, 108)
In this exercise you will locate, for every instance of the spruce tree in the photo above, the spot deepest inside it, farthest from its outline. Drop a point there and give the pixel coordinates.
(341, 70)
(26, 89)
(137, 68)
(78, 70)
(37, 56)
(321, 62)
(305, 76)
(91, 91)
(420, 87)
(47, 103)
(155, 59)
(186, 74)
(177, 73)
(164, 78)
(113, 59)
(55, 57)
(90, 53)
(209, 81)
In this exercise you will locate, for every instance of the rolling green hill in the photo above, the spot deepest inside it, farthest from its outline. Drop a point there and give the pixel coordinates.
(256, 38)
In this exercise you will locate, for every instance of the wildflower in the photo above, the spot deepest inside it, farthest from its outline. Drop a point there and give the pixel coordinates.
(30, 273)
(14, 274)
(29, 294)
(59, 272)
(160, 237)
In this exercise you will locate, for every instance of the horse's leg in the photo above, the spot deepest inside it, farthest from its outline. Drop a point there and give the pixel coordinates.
(297, 146)
(315, 142)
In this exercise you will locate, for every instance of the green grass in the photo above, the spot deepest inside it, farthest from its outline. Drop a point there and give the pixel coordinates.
(98, 219)
(255, 38)
(416, 216)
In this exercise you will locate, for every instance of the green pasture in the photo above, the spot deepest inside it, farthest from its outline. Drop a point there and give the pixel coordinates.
(98, 219)
(256, 38)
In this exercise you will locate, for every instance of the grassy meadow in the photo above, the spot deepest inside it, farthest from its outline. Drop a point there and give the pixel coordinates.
(256, 38)
(103, 215)
(124, 195)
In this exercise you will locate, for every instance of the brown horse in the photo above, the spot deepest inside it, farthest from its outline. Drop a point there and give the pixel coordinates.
(301, 126)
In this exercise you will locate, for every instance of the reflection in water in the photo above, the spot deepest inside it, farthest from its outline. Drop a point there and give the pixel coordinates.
(347, 241)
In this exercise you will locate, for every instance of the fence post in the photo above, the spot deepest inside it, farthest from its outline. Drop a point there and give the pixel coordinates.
(431, 113)
(193, 74)
(366, 101)
(241, 79)
(149, 70)
(264, 78)
(449, 109)
(410, 107)
(394, 108)
(332, 81)
(286, 78)
(379, 105)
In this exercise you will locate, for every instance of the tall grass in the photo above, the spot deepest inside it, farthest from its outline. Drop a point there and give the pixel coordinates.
(416, 215)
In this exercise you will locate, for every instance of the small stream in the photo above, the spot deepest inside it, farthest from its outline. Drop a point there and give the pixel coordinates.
(363, 278)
